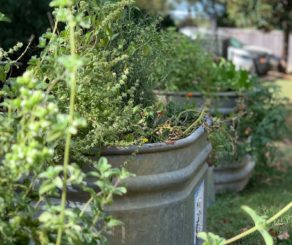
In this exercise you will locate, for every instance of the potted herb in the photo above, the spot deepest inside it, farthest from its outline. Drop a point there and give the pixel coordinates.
(193, 77)
(254, 133)
(263, 122)
(164, 147)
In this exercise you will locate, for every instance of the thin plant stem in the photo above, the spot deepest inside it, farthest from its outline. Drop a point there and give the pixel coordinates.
(86, 206)
(194, 124)
(280, 213)
(24, 52)
(254, 229)
(240, 236)
(68, 135)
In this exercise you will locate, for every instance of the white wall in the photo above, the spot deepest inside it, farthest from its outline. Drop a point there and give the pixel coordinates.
(272, 40)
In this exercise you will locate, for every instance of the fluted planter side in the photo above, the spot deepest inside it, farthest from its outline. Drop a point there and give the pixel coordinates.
(233, 177)
(165, 202)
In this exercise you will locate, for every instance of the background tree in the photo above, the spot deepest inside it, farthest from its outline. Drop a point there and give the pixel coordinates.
(155, 5)
(208, 9)
(213, 9)
(263, 14)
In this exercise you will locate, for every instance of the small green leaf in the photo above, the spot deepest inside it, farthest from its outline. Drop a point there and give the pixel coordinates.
(261, 224)
(45, 217)
(267, 237)
(60, 3)
(58, 182)
(256, 218)
(114, 222)
(47, 187)
(211, 239)
(3, 18)
(103, 165)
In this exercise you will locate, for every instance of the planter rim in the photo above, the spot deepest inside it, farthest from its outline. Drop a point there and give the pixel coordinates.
(153, 147)
(199, 94)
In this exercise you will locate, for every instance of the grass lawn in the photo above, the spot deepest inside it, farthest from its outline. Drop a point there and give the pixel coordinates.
(285, 88)
(269, 190)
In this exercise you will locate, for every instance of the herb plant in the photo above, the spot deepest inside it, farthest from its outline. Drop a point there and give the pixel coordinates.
(259, 118)
(34, 204)
(190, 68)
(82, 91)
(180, 68)
(259, 121)
(223, 138)
(227, 78)
(119, 48)
(263, 122)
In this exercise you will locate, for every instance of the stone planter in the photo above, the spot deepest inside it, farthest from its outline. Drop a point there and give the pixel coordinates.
(166, 201)
(223, 102)
(233, 177)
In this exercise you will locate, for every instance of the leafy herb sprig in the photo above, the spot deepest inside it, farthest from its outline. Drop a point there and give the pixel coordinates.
(34, 205)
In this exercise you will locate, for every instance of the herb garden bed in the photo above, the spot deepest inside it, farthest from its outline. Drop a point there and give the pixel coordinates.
(90, 156)
(221, 102)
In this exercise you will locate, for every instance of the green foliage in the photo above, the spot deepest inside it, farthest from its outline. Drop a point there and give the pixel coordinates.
(261, 224)
(32, 182)
(119, 46)
(211, 239)
(223, 137)
(3, 18)
(263, 14)
(180, 69)
(108, 83)
(6, 63)
(258, 13)
(227, 78)
(263, 122)
(253, 129)
(250, 130)
(153, 5)
(186, 66)
(30, 178)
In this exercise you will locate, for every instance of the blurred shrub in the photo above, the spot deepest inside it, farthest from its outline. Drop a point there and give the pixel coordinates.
(264, 122)
(186, 66)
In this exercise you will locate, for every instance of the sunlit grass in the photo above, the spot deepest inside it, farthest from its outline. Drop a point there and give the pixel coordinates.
(285, 88)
